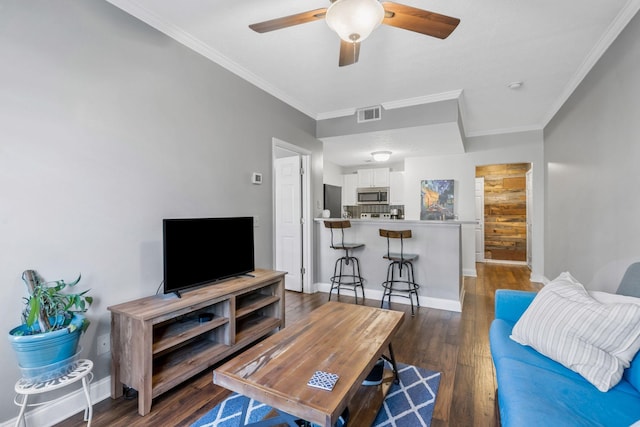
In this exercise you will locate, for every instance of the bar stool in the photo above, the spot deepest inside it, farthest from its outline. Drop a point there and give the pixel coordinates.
(341, 279)
(404, 287)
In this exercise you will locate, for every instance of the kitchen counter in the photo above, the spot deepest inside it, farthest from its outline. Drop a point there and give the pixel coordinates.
(438, 269)
(399, 221)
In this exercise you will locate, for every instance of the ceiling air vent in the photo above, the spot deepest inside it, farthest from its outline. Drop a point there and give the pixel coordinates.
(369, 114)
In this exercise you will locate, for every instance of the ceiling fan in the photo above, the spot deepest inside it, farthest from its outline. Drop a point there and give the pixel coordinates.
(354, 20)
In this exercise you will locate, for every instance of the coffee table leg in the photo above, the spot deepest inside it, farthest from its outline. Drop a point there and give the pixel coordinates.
(245, 407)
(392, 359)
(281, 418)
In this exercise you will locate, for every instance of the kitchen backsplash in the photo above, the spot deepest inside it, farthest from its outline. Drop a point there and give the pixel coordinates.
(355, 211)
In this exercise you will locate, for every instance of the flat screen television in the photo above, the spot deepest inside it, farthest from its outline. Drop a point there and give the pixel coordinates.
(200, 251)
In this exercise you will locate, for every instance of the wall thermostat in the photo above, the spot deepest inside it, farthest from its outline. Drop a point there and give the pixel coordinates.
(256, 178)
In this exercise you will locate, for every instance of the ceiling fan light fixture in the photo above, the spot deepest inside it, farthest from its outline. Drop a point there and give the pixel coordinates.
(381, 156)
(354, 20)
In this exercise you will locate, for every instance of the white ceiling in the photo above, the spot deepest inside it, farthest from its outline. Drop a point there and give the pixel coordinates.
(548, 45)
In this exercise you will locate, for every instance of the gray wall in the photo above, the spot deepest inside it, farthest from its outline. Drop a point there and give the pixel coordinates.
(592, 153)
(433, 113)
(107, 126)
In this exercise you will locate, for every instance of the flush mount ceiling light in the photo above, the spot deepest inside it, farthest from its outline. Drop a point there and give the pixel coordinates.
(354, 20)
(515, 85)
(381, 156)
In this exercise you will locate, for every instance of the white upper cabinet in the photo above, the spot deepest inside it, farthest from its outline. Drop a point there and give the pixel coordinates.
(365, 178)
(349, 186)
(381, 177)
(378, 177)
(396, 188)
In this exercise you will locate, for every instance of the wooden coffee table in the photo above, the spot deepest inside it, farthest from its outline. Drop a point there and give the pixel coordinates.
(340, 338)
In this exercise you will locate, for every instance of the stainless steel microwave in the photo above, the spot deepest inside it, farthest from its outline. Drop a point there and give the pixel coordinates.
(373, 196)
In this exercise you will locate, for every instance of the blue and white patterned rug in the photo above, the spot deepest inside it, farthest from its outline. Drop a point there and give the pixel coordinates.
(408, 404)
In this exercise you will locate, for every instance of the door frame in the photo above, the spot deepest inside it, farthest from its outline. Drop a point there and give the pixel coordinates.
(529, 207)
(479, 227)
(288, 224)
(529, 222)
(307, 220)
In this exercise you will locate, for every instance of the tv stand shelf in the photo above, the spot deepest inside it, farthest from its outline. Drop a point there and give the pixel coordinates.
(253, 302)
(160, 341)
(179, 332)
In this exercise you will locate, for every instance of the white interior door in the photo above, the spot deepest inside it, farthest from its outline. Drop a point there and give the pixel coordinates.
(288, 223)
(479, 228)
(528, 181)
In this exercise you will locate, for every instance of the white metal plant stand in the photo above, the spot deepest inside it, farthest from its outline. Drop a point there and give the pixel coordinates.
(79, 370)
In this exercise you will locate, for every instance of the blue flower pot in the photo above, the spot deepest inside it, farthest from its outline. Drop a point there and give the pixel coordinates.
(45, 349)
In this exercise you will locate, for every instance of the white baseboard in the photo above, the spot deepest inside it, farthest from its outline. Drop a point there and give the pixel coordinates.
(470, 272)
(505, 261)
(437, 303)
(62, 408)
(539, 278)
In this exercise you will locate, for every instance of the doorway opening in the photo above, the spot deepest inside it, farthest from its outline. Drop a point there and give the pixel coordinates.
(292, 215)
(503, 199)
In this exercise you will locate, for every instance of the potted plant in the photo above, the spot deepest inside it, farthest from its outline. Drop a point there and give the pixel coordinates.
(53, 321)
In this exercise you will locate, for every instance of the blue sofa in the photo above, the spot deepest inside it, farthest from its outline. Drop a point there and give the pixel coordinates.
(534, 390)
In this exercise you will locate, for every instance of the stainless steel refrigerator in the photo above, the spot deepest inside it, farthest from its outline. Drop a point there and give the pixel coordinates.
(333, 200)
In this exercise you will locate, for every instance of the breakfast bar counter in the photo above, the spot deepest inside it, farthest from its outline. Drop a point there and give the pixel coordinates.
(438, 269)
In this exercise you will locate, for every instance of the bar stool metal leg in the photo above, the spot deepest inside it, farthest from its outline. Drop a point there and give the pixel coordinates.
(347, 274)
(415, 290)
(360, 283)
(410, 287)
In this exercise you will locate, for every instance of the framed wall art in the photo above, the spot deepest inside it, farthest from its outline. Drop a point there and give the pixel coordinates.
(437, 199)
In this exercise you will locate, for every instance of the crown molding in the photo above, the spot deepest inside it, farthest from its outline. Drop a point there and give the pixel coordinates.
(505, 131)
(419, 100)
(143, 14)
(462, 110)
(134, 9)
(335, 114)
(616, 27)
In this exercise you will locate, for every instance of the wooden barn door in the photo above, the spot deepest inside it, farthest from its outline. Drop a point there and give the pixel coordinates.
(505, 211)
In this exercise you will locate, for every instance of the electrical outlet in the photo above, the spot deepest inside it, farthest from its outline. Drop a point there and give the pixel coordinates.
(104, 344)
(256, 221)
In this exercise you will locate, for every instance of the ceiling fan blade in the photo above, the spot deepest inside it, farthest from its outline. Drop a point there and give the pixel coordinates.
(418, 20)
(289, 21)
(349, 53)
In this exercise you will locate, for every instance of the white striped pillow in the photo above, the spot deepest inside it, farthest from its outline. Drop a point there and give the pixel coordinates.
(609, 298)
(567, 325)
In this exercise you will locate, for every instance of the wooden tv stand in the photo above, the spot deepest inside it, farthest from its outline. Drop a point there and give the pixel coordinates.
(160, 341)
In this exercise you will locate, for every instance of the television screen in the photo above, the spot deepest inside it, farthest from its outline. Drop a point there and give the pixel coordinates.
(199, 251)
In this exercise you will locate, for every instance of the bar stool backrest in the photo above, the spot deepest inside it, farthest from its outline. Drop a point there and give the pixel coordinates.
(395, 234)
(331, 225)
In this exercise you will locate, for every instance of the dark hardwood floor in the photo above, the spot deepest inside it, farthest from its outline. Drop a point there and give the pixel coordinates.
(455, 344)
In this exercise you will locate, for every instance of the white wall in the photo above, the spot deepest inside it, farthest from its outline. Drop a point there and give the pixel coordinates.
(592, 153)
(331, 174)
(107, 127)
(524, 147)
